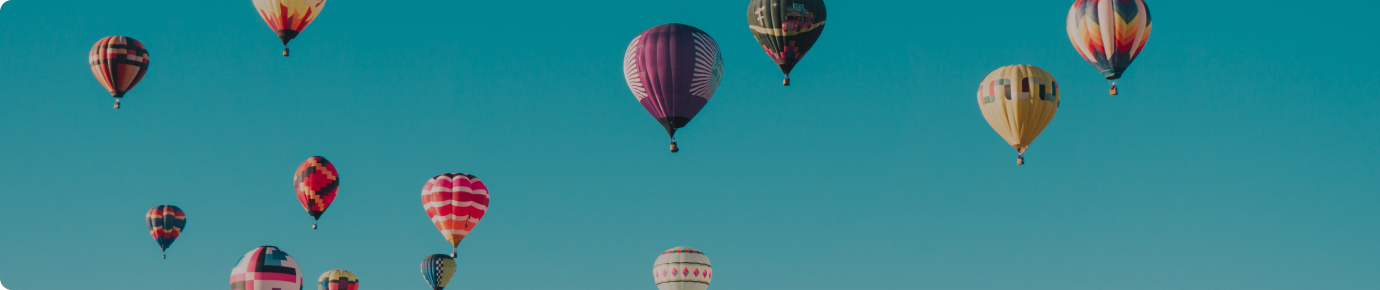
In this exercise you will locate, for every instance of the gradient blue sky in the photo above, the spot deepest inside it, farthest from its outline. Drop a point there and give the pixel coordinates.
(1241, 155)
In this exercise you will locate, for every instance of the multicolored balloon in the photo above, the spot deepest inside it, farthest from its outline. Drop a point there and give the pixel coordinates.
(786, 29)
(165, 224)
(673, 70)
(288, 18)
(455, 202)
(316, 183)
(119, 63)
(437, 269)
(682, 268)
(1109, 34)
(337, 280)
(1018, 101)
(266, 268)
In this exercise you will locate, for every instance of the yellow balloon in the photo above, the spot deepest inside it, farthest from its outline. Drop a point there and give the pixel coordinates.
(1018, 101)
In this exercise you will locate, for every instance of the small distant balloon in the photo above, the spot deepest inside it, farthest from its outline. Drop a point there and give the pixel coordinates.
(266, 267)
(119, 63)
(337, 280)
(165, 224)
(682, 268)
(316, 183)
(437, 270)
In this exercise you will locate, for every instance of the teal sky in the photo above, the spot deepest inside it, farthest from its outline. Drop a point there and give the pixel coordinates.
(1241, 153)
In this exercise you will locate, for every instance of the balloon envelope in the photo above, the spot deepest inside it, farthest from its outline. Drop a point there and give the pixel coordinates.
(673, 70)
(316, 183)
(266, 267)
(288, 18)
(455, 202)
(119, 63)
(1018, 101)
(437, 270)
(165, 224)
(682, 268)
(337, 280)
(786, 29)
(1109, 34)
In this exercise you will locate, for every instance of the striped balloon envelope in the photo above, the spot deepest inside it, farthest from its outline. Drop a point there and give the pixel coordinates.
(673, 69)
(288, 18)
(266, 268)
(455, 202)
(119, 63)
(1109, 34)
(337, 280)
(437, 270)
(316, 183)
(165, 224)
(682, 268)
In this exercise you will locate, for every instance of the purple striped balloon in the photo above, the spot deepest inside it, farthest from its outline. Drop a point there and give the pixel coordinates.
(673, 70)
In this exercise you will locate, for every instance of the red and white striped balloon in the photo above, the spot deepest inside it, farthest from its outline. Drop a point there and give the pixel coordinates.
(455, 202)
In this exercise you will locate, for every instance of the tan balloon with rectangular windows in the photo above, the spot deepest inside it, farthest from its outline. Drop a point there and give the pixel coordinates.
(1018, 101)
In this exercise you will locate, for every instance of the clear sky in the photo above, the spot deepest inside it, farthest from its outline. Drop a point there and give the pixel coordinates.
(1241, 153)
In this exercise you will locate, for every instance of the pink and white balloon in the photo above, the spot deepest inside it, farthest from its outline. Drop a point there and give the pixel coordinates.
(682, 268)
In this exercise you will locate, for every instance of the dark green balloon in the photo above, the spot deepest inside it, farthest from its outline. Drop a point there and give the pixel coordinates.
(786, 29)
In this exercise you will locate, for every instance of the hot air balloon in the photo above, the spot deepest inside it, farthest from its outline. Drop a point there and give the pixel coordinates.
(165, 224)
(337, 280)
(1109, 34)
(316, 183)
(682, 268)
(119, 63)
(1018, 101)
(288, 18)
(455, 202)
(673, 70)
(786, 29)
(437, 269)
(266, 267)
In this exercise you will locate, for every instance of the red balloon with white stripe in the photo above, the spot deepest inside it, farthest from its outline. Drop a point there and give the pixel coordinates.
(455, 202)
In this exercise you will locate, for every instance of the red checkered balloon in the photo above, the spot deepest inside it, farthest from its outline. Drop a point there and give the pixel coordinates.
(316, 183)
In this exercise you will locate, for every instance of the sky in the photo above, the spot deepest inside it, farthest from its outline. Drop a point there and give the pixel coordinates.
(1241, 153)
